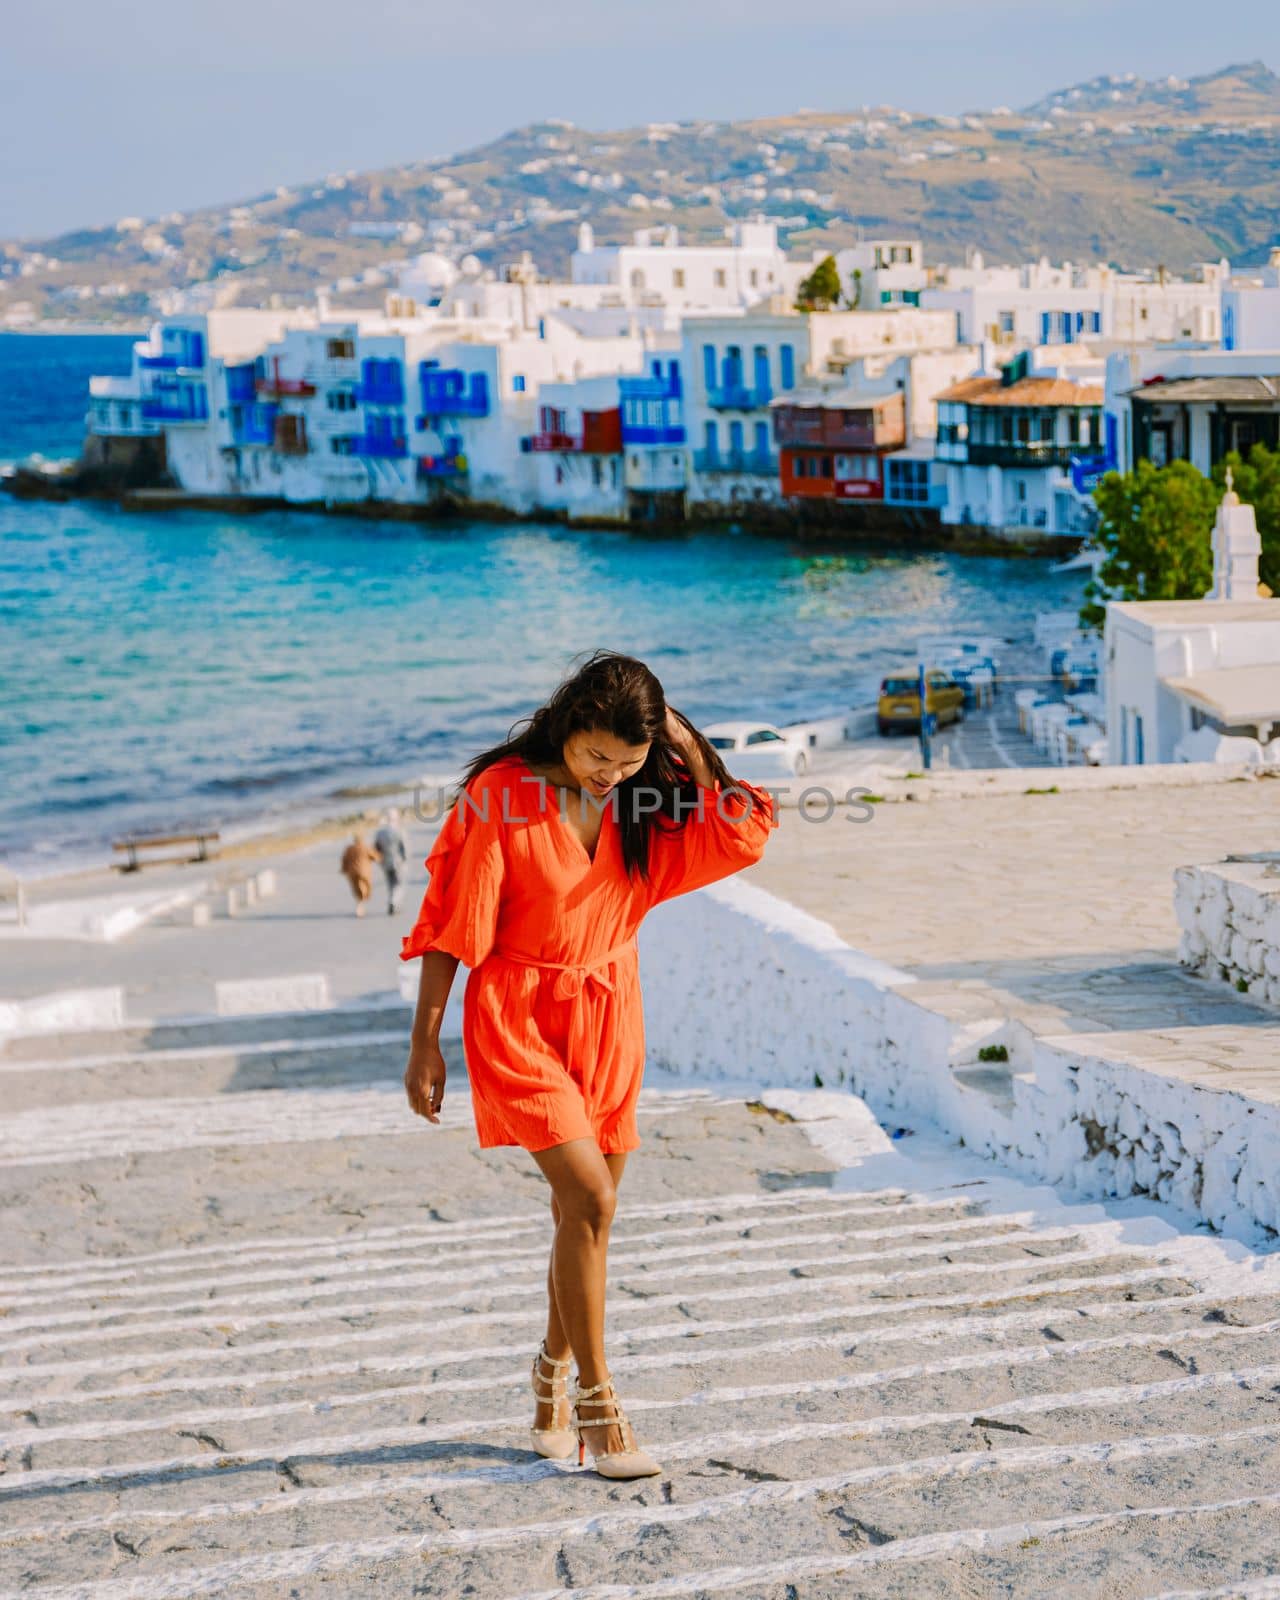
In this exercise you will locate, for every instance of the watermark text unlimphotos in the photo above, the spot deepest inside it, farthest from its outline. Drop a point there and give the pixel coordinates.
(735, 804)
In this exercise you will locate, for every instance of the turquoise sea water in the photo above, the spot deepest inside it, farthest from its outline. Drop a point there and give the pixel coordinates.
(162, 671)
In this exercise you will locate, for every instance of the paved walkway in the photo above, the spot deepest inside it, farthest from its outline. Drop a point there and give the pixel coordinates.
(267, 1334)
(309, 925)
(1060, 904)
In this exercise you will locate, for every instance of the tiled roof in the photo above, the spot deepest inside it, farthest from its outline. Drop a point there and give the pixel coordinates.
(1026, 392)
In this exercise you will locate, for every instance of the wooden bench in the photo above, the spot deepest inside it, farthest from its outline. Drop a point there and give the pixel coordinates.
(157, 841)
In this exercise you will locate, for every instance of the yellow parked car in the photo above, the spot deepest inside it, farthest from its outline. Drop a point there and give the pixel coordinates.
(899, 705)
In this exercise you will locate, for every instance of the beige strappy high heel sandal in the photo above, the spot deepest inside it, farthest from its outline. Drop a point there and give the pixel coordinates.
(632, 1463)
(554, 1442)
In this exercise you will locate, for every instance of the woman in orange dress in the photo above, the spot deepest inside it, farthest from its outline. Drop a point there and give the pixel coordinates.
(562, 838)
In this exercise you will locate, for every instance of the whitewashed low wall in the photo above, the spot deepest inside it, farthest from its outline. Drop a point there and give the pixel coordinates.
(1230, 921)
(63, 1010)
(249, 997)
(1134, 1130)
(739, 984)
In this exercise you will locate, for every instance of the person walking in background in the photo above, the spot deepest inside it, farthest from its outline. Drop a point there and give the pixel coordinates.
(357, 868)
(393, 853)
(543, 904)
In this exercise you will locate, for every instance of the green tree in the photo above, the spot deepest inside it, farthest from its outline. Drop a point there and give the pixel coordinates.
(821, 289)
(854, 300)
(1156, 526)
(1257, 482)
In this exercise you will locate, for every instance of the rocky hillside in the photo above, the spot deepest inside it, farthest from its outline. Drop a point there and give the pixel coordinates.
(1119, 169)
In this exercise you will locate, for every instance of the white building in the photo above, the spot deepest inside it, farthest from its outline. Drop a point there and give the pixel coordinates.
(882, 272)
(577, 449)
(355, 406)
(1168, 404)
(1198, 680)
(1042, 304)
(733, 367)
(1251, 310)
(837, 338)
(736, 366)
(656, 269)
(169, 392)
(865, 430)
(519, 299)
(1020, 448)
(612, 448)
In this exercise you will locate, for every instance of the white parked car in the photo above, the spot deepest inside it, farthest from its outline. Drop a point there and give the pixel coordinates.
(758, 749)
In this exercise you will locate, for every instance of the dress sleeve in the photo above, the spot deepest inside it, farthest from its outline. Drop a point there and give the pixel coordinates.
(459, 911)
(724, 831)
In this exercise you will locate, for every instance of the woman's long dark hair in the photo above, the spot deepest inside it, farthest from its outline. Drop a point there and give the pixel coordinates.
(621, 696)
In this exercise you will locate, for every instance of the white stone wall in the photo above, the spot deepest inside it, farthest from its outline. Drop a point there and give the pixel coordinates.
(739, 984)
(1230, 921)
(63, 1010)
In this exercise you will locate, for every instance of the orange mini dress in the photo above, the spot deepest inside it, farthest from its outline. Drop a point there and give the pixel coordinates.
(552, 1018)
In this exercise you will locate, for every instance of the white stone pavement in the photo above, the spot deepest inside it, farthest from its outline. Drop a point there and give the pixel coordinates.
(263, 1333)
(268, 1342)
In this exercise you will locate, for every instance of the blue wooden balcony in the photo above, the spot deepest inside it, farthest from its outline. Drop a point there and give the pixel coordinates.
(751, 463)
(650, 433)
(651, 406)
(385, 446)
(179, 347)
(254, 423)
(176, 402)
(381, 383)
(736, 396)
(241, 381)
(450, 392)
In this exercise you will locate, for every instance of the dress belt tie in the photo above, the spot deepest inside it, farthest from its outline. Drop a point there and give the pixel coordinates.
(572, 975)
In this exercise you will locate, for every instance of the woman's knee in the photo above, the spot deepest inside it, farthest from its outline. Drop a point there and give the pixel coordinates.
(592, 1203)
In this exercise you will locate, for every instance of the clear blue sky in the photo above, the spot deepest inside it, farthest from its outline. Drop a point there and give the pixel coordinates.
(147, 106)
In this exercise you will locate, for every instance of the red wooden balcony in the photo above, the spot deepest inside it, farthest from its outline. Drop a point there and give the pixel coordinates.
(878, 424)
(277, 388)
(601, 433)
(274, 387)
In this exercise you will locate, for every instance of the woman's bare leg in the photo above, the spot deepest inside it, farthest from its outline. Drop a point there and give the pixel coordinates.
(583, 1195)
(557, 1338)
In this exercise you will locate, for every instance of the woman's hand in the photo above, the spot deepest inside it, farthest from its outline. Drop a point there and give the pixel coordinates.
(680, 735)
(676, 732)
(424, 1079)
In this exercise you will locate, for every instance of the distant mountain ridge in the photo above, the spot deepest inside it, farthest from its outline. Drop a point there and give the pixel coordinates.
(1121, 169)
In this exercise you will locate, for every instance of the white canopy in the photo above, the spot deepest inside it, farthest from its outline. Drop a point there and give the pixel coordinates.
(1233, 696)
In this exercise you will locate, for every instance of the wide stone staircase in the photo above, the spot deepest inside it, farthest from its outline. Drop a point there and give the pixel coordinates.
(264, 1333)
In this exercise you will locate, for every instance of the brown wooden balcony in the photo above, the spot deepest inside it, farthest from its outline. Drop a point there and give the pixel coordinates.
(877, 424)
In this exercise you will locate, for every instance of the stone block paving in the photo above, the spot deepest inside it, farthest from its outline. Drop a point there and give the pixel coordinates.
(1056, 910)
(263, 1333)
